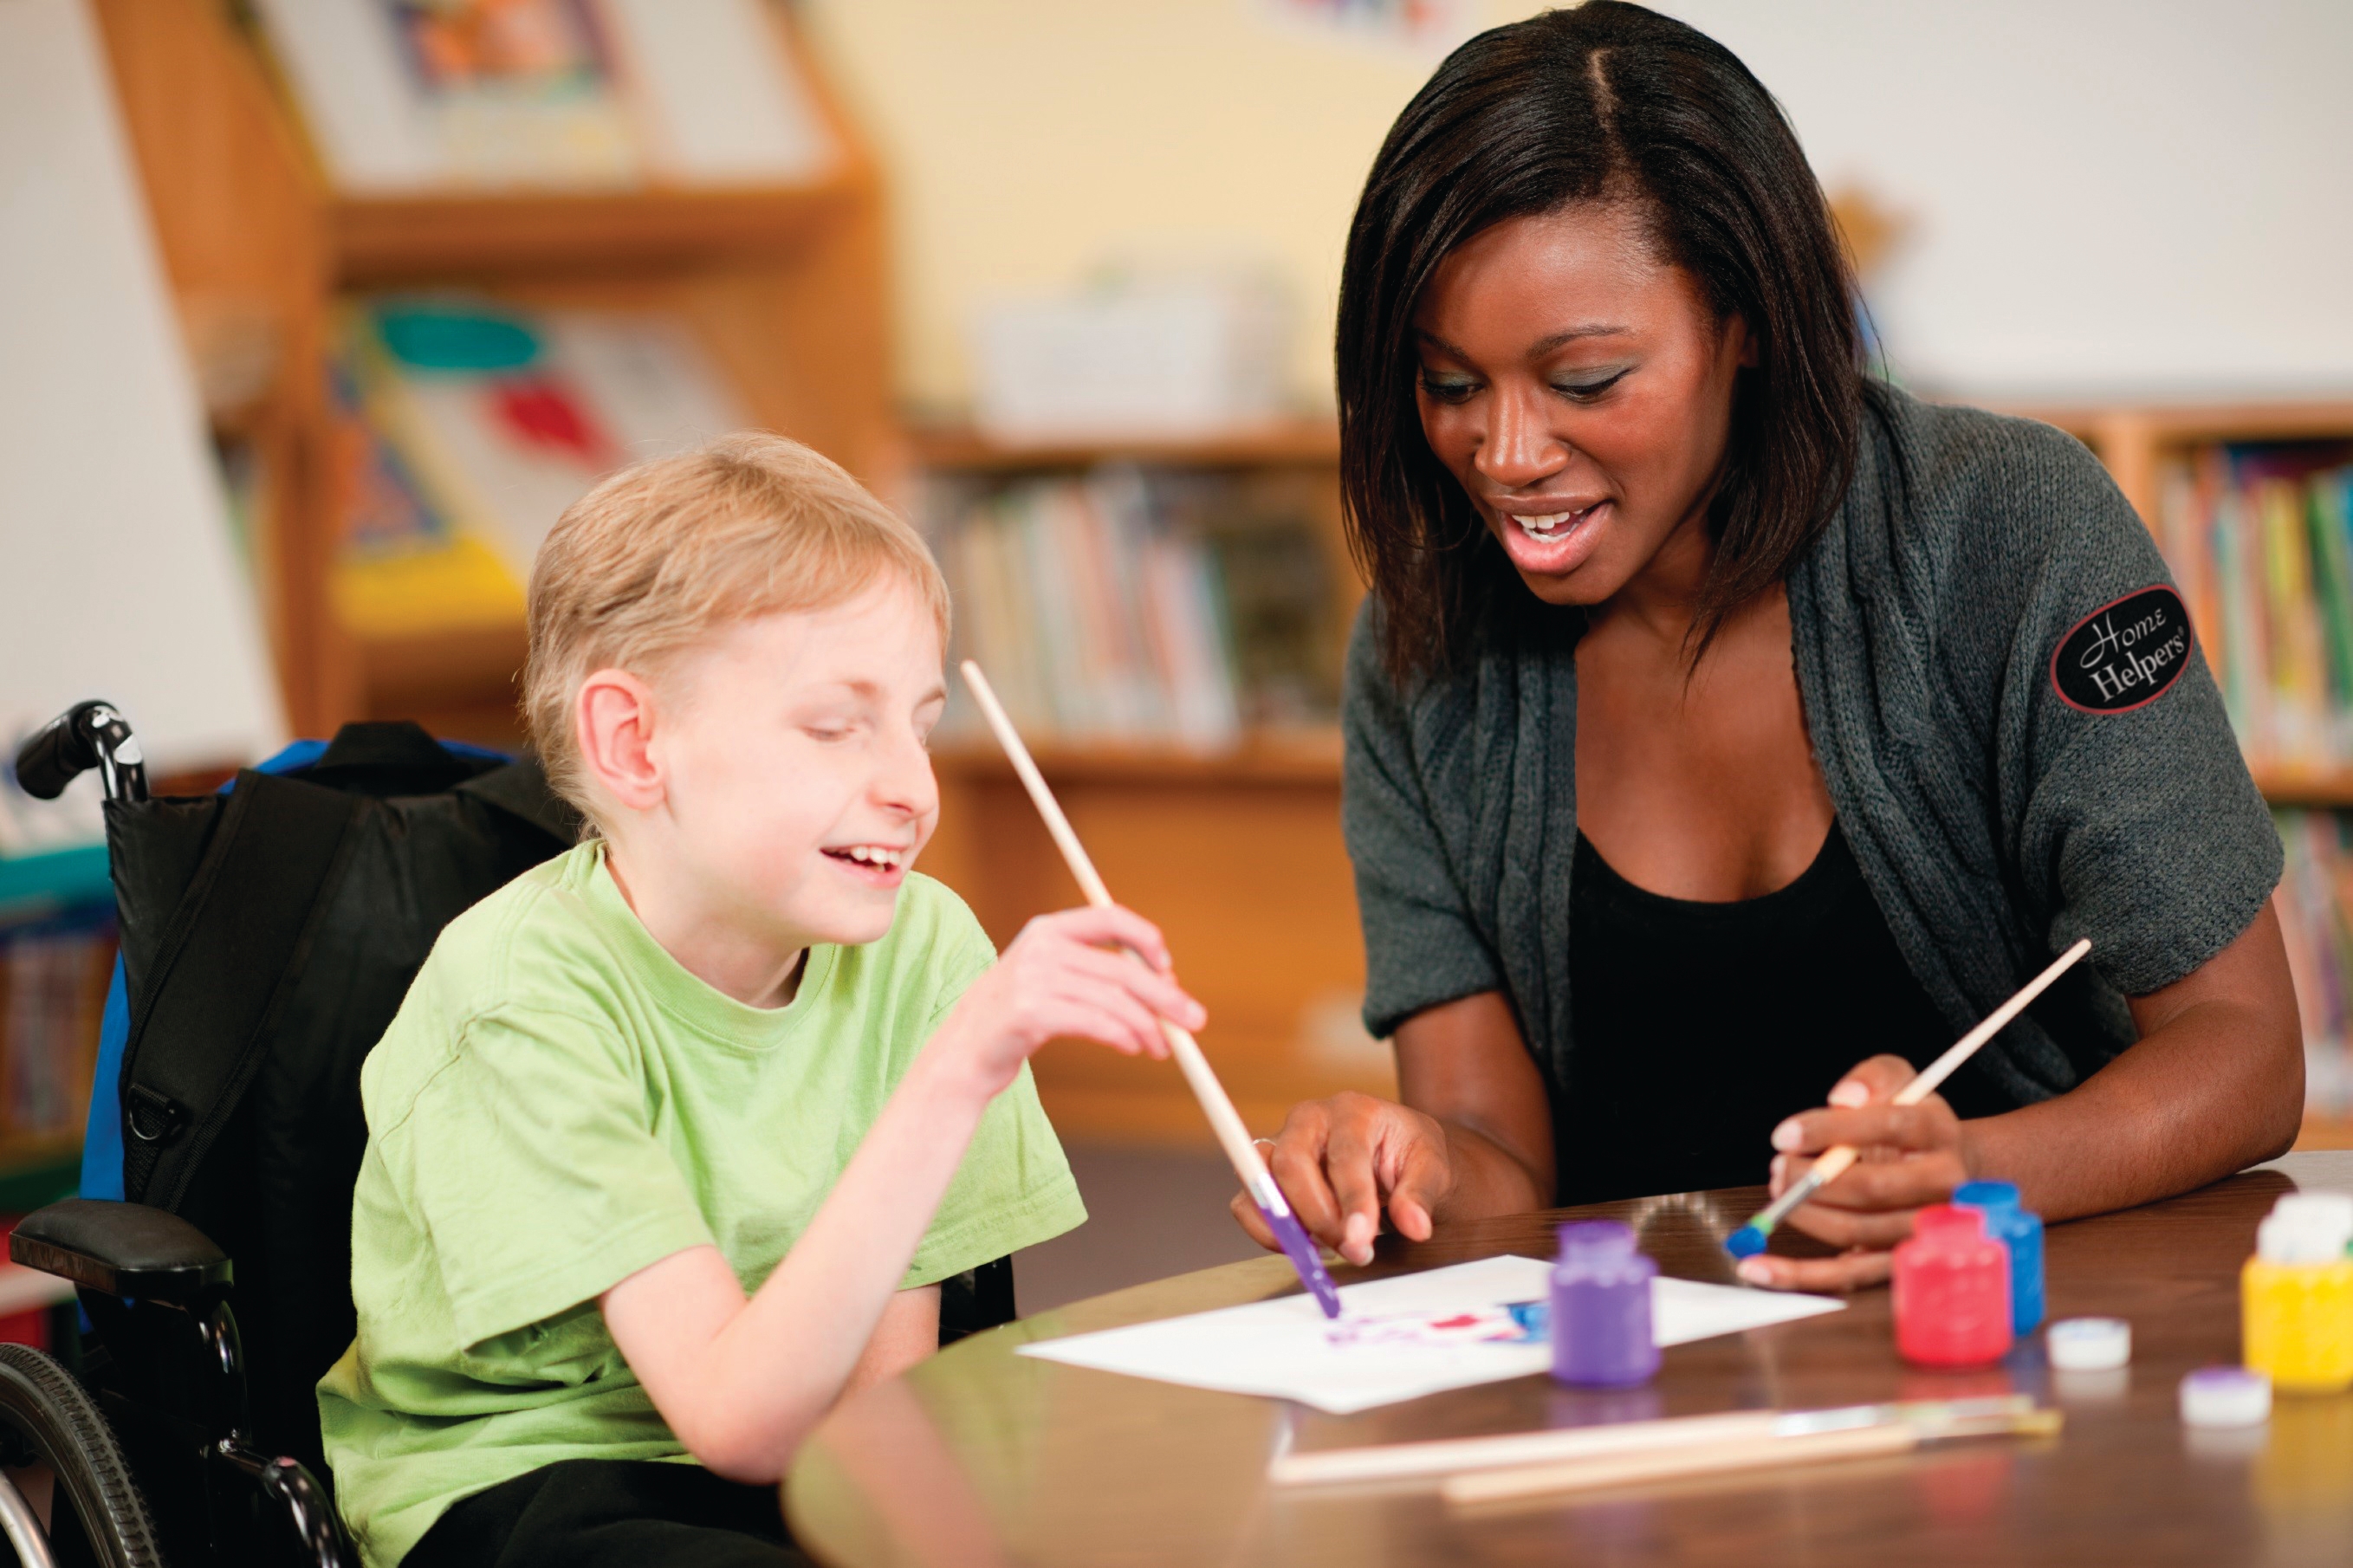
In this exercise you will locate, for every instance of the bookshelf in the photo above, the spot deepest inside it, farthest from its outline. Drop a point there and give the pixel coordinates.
(1234, 848)
(394, 239)
(56, 952)
(784, 285)
(1290, 442)
(1304, 756)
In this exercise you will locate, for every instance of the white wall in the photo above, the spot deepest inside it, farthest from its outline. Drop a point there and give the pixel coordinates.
(2145, 196)
(117, 575)
(1026, 142)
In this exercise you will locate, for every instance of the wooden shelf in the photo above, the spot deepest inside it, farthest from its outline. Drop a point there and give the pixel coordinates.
(1309, 757)
(2327, 1132)
(1312, 757)
(2132, 439)
(434, 665)
(1307, 441)
(463, 684)
(2313, 419)
(2328, 788)
(386, 239)
(1293, 443)
(37, 1151)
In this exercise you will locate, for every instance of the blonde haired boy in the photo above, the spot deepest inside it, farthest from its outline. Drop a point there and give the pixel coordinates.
(674, 1136)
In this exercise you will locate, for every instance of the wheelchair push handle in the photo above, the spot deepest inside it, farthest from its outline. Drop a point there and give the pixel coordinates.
(87, 735)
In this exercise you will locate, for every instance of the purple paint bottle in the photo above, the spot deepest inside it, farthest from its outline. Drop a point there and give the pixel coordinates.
(1601, 1308)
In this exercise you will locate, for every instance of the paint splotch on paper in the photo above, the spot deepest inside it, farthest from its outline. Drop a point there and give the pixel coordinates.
(1510, 1323)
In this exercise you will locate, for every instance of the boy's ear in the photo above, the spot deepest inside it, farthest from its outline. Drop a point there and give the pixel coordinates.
(613, 722)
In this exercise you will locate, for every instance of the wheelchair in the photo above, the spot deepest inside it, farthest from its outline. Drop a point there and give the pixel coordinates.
(268, 935)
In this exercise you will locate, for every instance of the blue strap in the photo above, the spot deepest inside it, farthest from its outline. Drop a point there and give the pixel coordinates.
(299, 754)
(101, 1143)
(296, 755)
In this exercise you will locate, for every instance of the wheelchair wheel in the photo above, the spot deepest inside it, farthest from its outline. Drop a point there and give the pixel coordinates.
(97, 1514)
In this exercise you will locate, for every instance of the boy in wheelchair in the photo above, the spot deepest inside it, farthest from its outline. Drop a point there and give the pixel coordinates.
(674, 1136)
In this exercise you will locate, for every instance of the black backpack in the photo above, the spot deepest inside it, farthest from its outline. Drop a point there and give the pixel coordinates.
(268, 935)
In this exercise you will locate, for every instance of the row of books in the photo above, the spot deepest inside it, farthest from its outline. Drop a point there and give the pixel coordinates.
(53, 980)
(407, 95)
(1135, 604)
(463, 429)
(2261, 541)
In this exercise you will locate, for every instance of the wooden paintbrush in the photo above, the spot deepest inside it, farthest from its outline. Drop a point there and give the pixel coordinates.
(1232, 1136)
(1432, 1462)
(1804, 1439)
(1749, 1239)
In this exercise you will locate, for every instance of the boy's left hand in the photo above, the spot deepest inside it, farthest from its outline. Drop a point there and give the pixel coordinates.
(1913, 1155)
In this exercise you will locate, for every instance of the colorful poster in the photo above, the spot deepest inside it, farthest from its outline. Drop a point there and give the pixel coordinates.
(1430, 27)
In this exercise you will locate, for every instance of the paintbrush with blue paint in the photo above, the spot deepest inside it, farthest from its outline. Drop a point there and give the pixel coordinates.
(1749, 1239)
(1232, 1136)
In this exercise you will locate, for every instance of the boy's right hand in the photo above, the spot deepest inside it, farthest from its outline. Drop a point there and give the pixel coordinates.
(1063, 976)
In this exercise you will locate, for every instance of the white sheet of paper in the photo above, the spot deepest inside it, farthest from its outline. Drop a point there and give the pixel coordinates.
(1283, 1348)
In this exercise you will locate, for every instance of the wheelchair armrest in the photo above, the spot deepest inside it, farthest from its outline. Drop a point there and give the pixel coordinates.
(122, 1250)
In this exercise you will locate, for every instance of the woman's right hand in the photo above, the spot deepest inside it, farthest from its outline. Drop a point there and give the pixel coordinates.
(1342, 1161)
(1479, 1145)
(1065, 975)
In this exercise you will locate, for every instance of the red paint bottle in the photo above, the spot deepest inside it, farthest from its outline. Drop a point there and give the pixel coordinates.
(1952, 1290)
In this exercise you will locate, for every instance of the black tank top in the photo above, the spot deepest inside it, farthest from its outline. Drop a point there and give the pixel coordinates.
(1698, 1027)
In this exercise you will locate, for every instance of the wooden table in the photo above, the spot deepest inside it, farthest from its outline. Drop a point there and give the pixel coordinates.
(980, 1457)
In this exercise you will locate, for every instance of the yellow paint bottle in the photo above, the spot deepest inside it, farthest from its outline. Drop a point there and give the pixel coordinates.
(2296, 1294)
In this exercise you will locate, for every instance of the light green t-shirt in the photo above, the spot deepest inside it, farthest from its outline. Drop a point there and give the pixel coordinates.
(559, 1104)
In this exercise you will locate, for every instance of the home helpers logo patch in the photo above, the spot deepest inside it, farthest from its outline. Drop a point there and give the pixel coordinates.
(2123, 655)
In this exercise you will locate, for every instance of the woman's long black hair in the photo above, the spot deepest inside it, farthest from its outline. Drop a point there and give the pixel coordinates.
(1605, 103)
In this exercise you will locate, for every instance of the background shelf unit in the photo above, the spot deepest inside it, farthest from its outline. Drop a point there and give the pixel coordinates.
(2330, 790)
(1290, 443)
(1235, 850)
(394, 239)
(57, 951)
(784, 285)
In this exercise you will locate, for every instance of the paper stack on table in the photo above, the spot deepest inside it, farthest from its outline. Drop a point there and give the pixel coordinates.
(1400, 1338)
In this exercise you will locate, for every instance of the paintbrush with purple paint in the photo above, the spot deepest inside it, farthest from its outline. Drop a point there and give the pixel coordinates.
(1232, 1136)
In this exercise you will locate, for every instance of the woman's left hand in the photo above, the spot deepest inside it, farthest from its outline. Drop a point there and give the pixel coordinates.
(1913, 1155)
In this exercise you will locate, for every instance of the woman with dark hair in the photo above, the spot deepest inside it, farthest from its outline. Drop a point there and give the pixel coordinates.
(1727, 731)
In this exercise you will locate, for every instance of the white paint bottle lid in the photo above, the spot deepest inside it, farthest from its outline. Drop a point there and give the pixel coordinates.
(2225, 1396)
(2088, 1344)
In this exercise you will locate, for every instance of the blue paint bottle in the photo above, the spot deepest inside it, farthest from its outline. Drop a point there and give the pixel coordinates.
(1601, 1308)
(2021, 1232)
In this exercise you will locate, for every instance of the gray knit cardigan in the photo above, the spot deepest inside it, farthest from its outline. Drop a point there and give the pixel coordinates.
(1995, 820)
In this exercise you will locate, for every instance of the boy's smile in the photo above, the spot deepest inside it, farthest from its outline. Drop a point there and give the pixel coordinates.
(884, 865)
